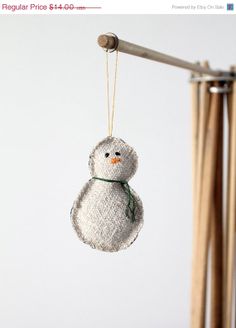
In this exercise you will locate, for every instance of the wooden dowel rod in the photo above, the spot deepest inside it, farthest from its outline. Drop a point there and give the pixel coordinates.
(202, 127)
(109, 42)
(226, 227)
(226, 223)
(208, 180)
(231, 214)
(216, 240)
(195, 91)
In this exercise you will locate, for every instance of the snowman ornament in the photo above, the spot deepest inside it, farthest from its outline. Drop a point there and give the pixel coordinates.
(108, 214)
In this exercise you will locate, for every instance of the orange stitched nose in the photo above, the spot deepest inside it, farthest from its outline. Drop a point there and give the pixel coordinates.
(115, 160)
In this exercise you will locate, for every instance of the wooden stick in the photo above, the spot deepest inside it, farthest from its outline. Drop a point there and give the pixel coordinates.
(231, 214)
(202, 126)
(195, 90)
(226, 226)
(217, 232)
(208, 180)
(111, 42)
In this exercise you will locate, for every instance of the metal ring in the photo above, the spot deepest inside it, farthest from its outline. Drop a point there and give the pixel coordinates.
(224, 89)
(116, 42)
(207, 78)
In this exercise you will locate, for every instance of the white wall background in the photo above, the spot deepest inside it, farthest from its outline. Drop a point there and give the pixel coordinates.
(52, 105)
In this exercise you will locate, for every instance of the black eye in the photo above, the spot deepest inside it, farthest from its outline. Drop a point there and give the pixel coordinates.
(107, 154)
(117, 153)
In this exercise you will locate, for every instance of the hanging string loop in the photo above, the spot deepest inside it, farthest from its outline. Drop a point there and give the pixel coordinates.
(111, 106)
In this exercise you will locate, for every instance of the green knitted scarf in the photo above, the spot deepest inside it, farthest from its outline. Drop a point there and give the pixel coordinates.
(131, 203)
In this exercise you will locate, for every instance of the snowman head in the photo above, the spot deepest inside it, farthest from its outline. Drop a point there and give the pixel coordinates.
(113, 159)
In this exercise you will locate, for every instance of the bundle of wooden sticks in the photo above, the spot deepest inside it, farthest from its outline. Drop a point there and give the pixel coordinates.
(214, 202)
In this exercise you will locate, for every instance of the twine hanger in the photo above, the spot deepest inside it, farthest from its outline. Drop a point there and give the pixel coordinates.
(111, 109)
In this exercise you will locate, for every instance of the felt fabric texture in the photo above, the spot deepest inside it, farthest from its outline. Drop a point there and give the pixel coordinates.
(99, 212)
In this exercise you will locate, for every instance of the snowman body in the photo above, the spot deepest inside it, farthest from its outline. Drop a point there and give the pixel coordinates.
(99, 214)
